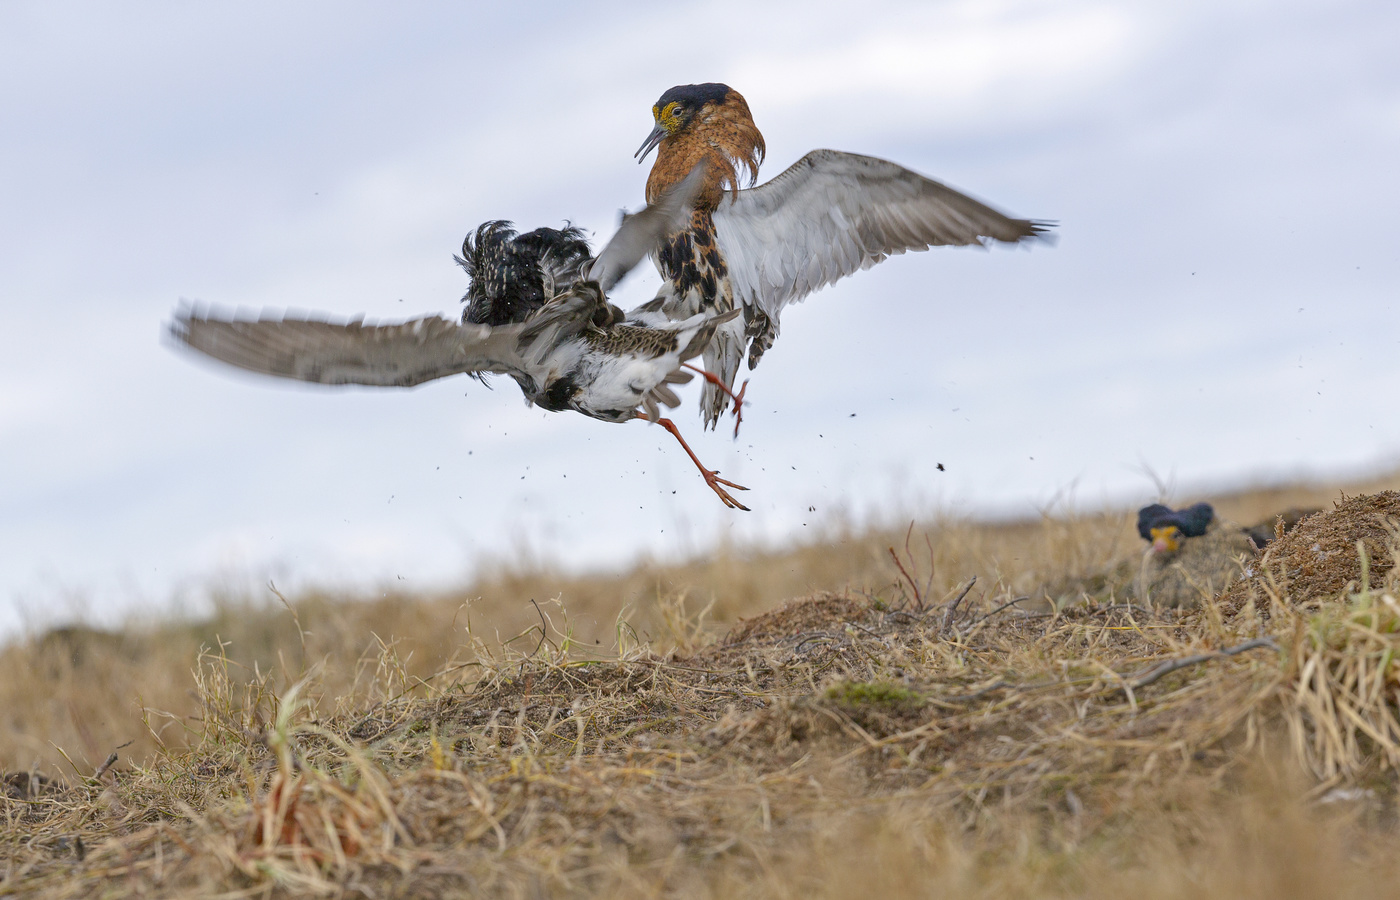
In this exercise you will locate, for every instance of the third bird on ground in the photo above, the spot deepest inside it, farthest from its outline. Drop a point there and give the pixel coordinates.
(761, 248)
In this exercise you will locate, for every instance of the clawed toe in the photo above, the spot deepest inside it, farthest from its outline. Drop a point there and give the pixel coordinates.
(711, 476)
(714, 481)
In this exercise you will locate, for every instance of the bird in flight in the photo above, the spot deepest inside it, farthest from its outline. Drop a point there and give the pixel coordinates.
(536, 310)
(760, 248)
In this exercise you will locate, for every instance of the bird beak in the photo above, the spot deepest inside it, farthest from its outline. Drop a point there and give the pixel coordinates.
(1166, 540)
(652, 140)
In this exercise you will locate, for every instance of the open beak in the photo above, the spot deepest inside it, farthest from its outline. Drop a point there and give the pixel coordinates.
(652, 140)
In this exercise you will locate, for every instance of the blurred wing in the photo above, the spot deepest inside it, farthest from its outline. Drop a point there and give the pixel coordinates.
(834, 213)
(640, 234)
(396, 354)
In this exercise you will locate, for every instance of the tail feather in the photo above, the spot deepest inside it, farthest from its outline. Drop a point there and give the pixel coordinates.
(722, 357)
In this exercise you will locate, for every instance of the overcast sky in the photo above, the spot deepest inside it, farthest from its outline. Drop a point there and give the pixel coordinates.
(1221, 305)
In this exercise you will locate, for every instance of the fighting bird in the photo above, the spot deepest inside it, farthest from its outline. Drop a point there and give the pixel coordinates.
(536, 310)
(758, 249)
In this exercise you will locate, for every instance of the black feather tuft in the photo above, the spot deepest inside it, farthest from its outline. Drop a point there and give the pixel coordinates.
(513, 275)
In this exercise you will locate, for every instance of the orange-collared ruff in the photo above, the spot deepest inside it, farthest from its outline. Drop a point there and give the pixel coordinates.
(760, 248)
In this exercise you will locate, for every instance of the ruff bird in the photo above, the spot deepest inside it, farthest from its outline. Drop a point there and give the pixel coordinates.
(760, 248)
(1193, 555)
(1167, 529)
(536, 310)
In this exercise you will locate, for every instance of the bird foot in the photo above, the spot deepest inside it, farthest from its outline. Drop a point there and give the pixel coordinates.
(711, 476)
(718, 382)
(714, 481)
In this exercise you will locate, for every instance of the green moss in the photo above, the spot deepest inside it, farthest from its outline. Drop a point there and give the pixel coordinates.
(871, 693)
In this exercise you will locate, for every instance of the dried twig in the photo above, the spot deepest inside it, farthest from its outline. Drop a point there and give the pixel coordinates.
(913, 585)
(812, 637)
(1166, 667)
(950, 609)
(111, 760)
(544, 630)
(968, 698)
(1121, 607)
(1006, 605)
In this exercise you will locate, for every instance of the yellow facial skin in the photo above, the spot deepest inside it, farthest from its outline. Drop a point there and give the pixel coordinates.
(668, 117)
(668, 122)
(1166, 539)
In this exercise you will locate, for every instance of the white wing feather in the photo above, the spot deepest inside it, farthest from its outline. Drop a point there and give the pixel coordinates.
(832, 213)
(394, 354)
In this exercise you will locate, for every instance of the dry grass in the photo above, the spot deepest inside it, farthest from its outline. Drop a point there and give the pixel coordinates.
(616, 739)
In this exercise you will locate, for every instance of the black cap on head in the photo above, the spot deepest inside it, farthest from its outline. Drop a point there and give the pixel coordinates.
(694, 96)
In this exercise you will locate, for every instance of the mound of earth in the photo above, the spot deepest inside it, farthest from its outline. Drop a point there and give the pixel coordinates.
(1318, 560)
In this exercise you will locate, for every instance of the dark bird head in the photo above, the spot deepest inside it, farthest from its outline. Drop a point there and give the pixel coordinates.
(513, 275)
(702, 121)
(678, 107)
(1166, 529)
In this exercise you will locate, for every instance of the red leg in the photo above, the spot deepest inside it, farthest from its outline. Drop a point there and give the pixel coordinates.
(738, 398)
(711, 476)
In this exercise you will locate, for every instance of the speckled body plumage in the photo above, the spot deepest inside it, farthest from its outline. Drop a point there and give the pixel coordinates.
(608, 370)
(610, 373)
(721, 133)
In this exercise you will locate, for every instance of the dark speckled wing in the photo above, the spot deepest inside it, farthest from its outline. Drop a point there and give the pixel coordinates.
(393, 354)
(620, 340)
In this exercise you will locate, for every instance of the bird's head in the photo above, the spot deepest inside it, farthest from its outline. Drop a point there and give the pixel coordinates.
(679, 106)
(1166, 529)
(695, 122)
(1166, 539)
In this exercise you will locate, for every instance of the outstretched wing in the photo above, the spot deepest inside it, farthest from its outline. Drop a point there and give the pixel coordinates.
(832, 213)
(396, 354)
(641, 233)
